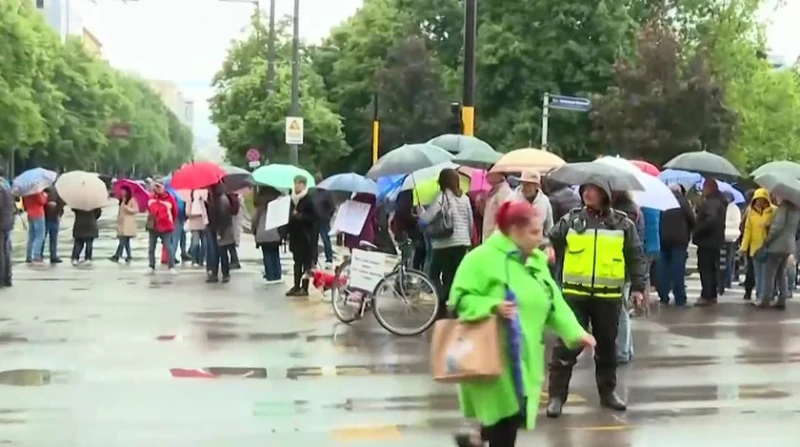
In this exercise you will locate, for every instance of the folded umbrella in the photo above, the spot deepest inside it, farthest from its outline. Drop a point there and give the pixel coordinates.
(781, 185)
(778, 167)
(457, 144)
(137, 191)
(705, 163)
(407, 159)
(82, 190)
(197, 175)
(280, 176)
(656, 194)
(610, 177)
(349, 182)
(33, 181)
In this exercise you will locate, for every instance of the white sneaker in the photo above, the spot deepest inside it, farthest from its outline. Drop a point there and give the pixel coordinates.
(74, 262)
(272, 282)
(87, 263)
(328, 265)
(151, 271)
(173, 271)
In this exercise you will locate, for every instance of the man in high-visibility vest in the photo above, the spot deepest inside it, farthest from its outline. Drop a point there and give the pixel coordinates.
(602, 251)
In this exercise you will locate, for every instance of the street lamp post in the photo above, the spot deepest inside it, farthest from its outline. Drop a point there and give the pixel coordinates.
(295, 107)
(470, 34)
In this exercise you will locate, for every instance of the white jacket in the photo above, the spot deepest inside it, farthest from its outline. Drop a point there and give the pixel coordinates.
(542, 204)
(733, 220)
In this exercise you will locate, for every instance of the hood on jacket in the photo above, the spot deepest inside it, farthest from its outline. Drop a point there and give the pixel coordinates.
(603, 185)
(761, 193)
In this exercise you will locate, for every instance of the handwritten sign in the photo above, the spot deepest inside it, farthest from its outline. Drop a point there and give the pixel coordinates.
(277, 213)
(351, 217)
(366, 269)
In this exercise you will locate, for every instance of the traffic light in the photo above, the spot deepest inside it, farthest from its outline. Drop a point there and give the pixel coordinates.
(455, 124)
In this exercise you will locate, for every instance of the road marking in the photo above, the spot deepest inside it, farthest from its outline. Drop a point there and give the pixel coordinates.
(366, 433)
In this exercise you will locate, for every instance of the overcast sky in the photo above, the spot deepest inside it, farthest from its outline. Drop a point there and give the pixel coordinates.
(186, 40)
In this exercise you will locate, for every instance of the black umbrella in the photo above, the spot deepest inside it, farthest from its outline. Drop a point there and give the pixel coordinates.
(409, 158)
(705, 163)
(236, 178)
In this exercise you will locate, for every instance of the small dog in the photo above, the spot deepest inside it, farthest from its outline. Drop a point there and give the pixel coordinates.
(325, 280)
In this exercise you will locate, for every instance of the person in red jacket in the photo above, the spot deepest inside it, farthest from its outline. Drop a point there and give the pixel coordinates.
(162, 211)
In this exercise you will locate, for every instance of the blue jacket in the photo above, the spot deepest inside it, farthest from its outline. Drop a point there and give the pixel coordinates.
(652, 232)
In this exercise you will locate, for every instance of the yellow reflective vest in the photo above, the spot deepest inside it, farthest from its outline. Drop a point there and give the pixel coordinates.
(594, 263)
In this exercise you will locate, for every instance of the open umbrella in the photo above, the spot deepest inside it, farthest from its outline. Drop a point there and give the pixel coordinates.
(457, 144)
(137, 190)
(784, 186)
(676, 176)
(778, 167)
(656, 194)
(646, 167)
(82, 190)
(611, 177)
(407, 159)
(478, 158)
(738, 197)
(527, 159)
(197, 175)
(349, 182)
(235, 179)
(280, 176)
(705, 163)
(33, 181)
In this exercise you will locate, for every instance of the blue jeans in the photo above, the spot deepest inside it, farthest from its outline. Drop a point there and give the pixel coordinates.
(216, 256)
(197, 247)
(153, 238)
(124, 245)
(428, 255)
(35, 239)
(327, 248)
(272, 262)
(177, 239)
(672, 275)
(51, 235)
(624, 336)
(759, 265)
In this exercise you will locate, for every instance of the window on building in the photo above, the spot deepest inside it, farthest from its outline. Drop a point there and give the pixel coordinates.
(40, 4)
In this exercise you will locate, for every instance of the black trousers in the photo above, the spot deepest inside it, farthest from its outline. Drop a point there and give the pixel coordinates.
(303, 261)
(504, 432)
(749, 276)
(443, 270)
(602, 316)
(708, 266)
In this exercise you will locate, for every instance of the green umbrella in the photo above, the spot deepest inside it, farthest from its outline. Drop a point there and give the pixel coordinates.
(280, 176)
(782, 167)
(456, 144)
(477, 158)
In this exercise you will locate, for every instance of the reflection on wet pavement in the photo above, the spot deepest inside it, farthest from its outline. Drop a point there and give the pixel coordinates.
(106, 356)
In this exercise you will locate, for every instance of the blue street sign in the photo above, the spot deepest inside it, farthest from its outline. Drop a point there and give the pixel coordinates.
(570, 103)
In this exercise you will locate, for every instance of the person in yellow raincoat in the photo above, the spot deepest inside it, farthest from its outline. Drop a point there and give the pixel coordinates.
(757, 219)
(511, 263)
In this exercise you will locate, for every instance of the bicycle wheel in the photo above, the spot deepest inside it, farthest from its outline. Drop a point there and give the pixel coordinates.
(396, 294)
(345, 310)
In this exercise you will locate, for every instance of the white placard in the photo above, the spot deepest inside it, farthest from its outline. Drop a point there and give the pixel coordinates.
(351, 217)
(253, 163)
(294, 130)
(366, 269)
(278, 212)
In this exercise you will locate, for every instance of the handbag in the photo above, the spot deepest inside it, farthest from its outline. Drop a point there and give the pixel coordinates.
(442, 224)
(462, 352)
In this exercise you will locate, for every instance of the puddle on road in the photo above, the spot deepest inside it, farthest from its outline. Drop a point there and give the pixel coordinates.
(8, 337)
(25, 377)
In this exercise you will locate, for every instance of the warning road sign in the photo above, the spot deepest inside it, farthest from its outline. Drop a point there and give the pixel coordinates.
(294, 130)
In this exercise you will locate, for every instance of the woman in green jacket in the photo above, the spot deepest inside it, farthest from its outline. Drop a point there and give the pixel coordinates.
(511, 261)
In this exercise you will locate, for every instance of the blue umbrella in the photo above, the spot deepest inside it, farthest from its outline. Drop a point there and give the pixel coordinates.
(349, 182)
(683, 178)
(738, 197)
(33, 181)
(388, 185)
(173, 193)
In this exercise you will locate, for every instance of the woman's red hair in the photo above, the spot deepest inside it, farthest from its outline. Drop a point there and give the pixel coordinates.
(512, 214)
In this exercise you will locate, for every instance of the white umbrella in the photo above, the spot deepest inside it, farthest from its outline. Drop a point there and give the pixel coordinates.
(656, 194)
(82, 190)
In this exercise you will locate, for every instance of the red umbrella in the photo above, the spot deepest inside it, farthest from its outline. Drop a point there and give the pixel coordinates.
(197, 175)
(138, 192)
(647, 168)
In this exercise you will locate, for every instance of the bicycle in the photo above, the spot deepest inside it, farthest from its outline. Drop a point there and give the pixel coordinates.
(408, 284)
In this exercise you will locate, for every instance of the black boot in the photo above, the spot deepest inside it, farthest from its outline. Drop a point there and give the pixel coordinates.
(303, 288)
(555, 406)
(612, 401)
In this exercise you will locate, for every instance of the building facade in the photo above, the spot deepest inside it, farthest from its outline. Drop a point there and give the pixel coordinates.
(175, 100)
(64, 16)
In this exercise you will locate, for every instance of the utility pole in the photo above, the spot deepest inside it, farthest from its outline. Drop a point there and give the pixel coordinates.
(295, 107)
(271, 49)
(470, 34)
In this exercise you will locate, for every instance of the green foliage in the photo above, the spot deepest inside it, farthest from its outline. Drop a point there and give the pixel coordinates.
(248, 115)
(664, 102)
(59, 103)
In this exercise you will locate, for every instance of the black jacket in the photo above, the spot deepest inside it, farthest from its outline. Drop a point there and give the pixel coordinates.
(85, 226)
(302, 229)
(677, 224)
(709, 229)
(323, 203)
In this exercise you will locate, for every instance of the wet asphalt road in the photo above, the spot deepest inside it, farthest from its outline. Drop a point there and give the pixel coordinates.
(99, 356)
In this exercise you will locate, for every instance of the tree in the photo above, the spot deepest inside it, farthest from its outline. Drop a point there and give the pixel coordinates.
(664, 101)
(249, 116)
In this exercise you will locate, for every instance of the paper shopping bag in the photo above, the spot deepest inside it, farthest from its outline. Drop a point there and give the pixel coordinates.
(462, 352)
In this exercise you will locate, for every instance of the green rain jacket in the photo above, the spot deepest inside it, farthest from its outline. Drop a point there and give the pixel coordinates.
(479, 286)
